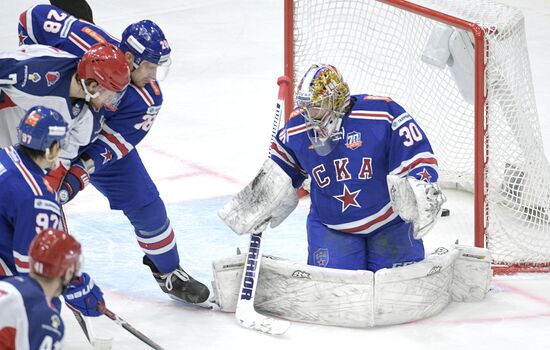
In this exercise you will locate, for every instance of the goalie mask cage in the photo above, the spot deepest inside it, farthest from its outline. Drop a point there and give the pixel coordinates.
(491, 147)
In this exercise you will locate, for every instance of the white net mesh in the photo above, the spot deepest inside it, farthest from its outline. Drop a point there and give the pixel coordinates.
(377, 47)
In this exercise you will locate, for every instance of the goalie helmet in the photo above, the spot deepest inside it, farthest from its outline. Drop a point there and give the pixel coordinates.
(40, 127)
(146, 41)
(52, 251)
(324, 97)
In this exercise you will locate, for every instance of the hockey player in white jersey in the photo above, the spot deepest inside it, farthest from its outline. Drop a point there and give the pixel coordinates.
(76, 88)
(374, 190)
(28, 319)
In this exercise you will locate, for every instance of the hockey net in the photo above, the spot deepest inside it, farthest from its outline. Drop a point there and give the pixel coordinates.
(491, 146)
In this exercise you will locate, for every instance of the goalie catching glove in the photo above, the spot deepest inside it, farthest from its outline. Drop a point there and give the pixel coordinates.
(270, 197)
(416, 201)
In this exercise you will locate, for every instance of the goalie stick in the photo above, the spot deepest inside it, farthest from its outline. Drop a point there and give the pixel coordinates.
(245, 313)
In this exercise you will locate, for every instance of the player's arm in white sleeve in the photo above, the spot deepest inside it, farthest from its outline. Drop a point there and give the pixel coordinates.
(269, 197)
(412, 181)
(79, 135)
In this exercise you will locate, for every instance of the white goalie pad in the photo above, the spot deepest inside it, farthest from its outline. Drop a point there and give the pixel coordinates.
(452, 47)
(300, 292)
(270, 197)
(416, 291)
(472, 274)
(333, 297)
(416, 201)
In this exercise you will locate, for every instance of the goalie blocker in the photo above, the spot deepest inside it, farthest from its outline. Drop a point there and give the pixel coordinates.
(359, 298)
(269, 197)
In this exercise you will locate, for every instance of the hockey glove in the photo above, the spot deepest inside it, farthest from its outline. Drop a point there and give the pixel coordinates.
(76, 179)
(55, 177)
(84, 295)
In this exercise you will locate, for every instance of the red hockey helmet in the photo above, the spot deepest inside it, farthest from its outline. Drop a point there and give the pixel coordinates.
(106, 64)
(52, 251)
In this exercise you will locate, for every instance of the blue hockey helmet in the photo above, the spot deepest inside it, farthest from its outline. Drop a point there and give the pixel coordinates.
(146, 41)
(40, 127)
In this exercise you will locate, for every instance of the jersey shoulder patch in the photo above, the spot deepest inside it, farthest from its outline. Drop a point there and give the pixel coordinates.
(150, 94)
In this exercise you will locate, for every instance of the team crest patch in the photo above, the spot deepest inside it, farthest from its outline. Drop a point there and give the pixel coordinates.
(353, 140)
(77, 108)
(34, 77)
(321, 257)
(52, 77)
(56, 322)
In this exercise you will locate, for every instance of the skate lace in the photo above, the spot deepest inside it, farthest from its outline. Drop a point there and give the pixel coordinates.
(179, 274)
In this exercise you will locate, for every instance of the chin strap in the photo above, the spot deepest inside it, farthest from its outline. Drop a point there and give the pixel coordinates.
(88, 96)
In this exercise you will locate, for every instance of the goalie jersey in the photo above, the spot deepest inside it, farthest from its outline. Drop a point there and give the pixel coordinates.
(123, 129)
(27, 321)
(348, 186)
(27, 206)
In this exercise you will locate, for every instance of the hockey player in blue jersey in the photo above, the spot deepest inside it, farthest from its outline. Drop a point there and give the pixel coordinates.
(112, 162)
(27, 202)
(78, 88)
(374, 190)
(28, 319)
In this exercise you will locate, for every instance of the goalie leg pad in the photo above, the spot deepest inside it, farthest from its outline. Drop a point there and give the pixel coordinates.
(269, 197)
(359, 298)
(414, 292)
(300, 292)
(472, 274)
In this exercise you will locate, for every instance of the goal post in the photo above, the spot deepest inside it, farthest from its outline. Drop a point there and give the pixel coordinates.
(490, 145)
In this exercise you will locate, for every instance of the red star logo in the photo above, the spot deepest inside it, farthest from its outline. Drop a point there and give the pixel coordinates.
(425, 175)
(348, 198)
(22, 38)
(107, 156)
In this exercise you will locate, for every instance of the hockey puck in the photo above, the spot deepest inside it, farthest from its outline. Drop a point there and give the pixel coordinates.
(445, 212)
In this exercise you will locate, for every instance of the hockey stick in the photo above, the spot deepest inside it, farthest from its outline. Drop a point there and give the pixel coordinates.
(84, 322)
(122, 323)
(245, 312)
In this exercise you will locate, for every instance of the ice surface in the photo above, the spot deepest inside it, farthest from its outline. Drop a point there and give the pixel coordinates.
(208, 141)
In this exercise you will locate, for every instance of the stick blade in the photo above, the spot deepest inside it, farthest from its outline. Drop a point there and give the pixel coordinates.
(102, 343)
(262, 323)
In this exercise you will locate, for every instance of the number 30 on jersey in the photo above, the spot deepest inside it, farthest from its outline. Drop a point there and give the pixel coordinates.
(411, 134)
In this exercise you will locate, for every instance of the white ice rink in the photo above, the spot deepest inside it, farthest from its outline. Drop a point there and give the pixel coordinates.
(209, 140)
